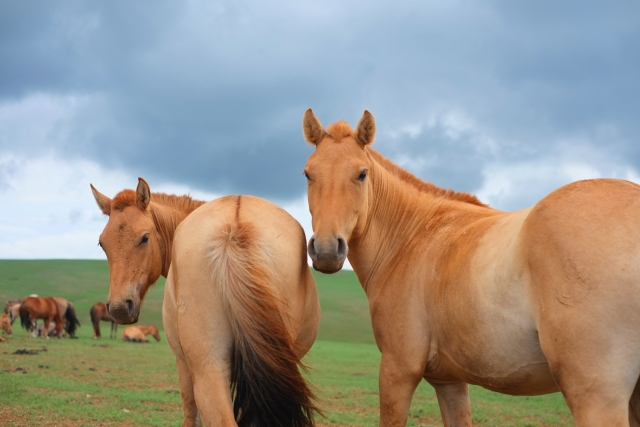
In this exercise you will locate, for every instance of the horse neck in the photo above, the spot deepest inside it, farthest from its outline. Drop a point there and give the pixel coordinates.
(402, 216)
(167, 215)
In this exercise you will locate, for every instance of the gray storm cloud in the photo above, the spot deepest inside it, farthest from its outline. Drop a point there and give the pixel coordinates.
(211, 94)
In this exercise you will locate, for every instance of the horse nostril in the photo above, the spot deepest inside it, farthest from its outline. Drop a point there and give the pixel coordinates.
(342, 247)
(311, 249)
(107, 305)
(130, 306)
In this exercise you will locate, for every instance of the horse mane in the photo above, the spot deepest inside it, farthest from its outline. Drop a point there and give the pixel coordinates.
(341, 129)
(420, 185)
(183, 203)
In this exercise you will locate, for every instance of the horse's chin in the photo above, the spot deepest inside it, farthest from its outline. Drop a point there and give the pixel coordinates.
(328, 269)
(127, 320)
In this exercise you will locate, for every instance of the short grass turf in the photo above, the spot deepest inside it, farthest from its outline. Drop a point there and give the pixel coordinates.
(113, 383)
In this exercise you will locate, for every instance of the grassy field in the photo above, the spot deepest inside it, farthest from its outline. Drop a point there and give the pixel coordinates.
(112, 383)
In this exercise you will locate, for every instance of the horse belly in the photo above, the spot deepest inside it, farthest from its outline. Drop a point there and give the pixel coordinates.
(524, 378)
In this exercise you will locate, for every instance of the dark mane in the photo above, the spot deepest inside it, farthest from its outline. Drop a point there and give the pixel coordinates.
(420, 185)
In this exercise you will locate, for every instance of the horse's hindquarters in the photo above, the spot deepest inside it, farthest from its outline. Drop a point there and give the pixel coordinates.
(239, 273)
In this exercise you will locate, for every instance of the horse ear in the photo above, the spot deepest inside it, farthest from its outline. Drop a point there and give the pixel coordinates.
(104, 203)
(366, 130)
(313, 130)
(143, 194)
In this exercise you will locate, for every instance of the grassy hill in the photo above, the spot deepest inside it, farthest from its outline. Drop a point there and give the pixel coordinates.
(112, 383)
(345, 312)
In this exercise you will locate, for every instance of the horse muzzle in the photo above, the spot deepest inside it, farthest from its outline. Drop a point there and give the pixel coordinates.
(328, 255)
(124, 311)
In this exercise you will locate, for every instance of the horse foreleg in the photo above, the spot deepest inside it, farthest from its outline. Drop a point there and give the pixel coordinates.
(454, 402)
(189, 408)
(398, 382)
(47, 320)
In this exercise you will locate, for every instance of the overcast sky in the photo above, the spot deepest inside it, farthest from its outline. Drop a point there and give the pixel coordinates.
(507, 100)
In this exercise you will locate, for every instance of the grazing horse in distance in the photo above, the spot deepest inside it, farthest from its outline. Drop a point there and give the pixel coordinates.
(98, 312)
(12, 308)
(238, 269)
(33, 308)
(5, 325)
(531, 302)
(139, 333)
(68, 314)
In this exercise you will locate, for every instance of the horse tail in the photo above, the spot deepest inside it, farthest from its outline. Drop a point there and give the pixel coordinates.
(72, 319)
(267, 386)
(25, 317)
(95, 320)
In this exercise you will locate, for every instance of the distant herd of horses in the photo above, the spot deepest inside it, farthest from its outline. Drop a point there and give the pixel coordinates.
(535, 301)
(59, 319)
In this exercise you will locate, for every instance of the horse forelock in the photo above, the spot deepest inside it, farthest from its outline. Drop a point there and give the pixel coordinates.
(339, 130)
(123, 199)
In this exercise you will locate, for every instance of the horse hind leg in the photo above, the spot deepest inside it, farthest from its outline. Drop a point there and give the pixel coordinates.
(597, 373)
(189, 408)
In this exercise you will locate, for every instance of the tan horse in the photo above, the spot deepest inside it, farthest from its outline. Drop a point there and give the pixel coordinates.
(523, 303)
(139, 333)
(98, 312)
(34, 308)
(12, 308)
(140, 233)
(68, 314)
(5, 325)
(239, 270)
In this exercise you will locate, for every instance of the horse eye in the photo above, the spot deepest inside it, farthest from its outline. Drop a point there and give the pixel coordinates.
(362, 175)
(144, 240)
(100, 244)
(306, 175)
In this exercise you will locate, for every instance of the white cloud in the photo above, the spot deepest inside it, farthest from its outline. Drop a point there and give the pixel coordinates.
(49, 210)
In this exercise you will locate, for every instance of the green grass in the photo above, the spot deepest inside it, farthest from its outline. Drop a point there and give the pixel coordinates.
(112, 383)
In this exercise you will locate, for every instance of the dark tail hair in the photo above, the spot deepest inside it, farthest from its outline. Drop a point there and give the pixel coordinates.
(95, 320)
(73, 322)
(267, 387)
(25, 318)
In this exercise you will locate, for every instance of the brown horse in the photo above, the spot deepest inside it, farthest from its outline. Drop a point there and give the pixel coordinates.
(33, 308)
(98, 312)
(238, 269)
(139, 333)
(5, 325)
(524, 303)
